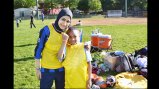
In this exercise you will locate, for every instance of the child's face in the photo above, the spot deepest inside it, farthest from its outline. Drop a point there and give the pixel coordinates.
(64, 22)
(74, 37)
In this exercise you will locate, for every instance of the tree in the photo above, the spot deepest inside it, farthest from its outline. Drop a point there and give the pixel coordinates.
(107, 5)
(84, 6)
(142, 4)
(24, 3)
(72, 4)
(103, 4)
(47, 5)
(50, 4)
(95, 5)
(41, 4)
(120, 4)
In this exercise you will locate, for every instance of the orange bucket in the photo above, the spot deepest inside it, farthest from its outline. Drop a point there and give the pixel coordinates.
(94, 40)
(104, 41)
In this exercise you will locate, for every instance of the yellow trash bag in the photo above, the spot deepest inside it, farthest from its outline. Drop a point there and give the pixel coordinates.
(130, 81)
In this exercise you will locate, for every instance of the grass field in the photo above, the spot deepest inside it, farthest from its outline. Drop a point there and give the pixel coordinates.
(126, 37)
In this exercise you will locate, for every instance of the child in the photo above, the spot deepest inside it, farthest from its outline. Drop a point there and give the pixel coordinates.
(32, 21)
(77, 62)
(79, 23)
(20, 20)
(42, 16)
(49, 42)
(17, 22)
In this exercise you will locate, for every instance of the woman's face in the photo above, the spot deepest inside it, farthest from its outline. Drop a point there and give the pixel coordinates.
(64, 22)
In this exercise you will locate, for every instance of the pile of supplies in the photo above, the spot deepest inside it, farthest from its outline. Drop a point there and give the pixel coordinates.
(130, 68)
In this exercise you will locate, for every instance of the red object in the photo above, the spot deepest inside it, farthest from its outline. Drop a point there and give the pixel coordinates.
(55, 11)
(100, 82)
(94, 40)
(101, 41)
(104, 41)
(94, 70)
(94, 77)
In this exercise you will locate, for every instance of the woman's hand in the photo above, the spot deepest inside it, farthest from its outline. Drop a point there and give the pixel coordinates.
(37, 68)
(38, 73)
(64, 36)
(89, 84)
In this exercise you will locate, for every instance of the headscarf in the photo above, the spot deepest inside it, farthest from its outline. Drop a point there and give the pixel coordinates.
(63, 12)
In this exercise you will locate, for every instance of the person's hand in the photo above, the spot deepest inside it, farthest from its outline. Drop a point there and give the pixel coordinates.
(37, 68)
(87, 47)
(38, 73)
(64, 37)
(89, 84)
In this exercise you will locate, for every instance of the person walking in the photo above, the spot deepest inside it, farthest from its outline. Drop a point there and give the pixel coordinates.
(32, 21)
(17, 22)
(42, 16)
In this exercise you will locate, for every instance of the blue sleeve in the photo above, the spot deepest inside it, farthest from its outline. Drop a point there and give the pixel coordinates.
(43, 36)
(81, 36)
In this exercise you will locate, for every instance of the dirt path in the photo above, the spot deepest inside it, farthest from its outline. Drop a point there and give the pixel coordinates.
(110, 21)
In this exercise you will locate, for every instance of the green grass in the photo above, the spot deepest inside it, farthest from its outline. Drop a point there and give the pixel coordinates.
(125, 37)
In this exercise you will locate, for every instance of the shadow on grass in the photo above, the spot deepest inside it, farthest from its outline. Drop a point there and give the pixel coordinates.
(23, 59)
(24, 45)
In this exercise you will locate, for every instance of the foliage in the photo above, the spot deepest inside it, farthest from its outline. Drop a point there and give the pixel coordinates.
(47, 4)
(83, 5)
(112, 4)
(72, 4)
(41, 4)
(24, 3)
(50, 4)
(104, 4)
(120, 4)
(97, 56)
(87, 5)
(95, 5)
(142, 4)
